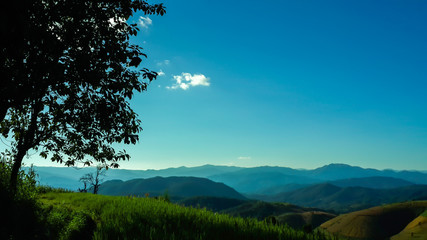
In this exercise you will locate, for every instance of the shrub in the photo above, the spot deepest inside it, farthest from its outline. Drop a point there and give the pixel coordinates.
(20, 209)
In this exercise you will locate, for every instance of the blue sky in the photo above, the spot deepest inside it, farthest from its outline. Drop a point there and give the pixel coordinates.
(285, 83)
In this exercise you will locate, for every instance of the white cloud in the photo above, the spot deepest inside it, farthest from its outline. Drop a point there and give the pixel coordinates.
(164, 63)
(186, 80)
(244, 158)
(144, 22)
(160, 73)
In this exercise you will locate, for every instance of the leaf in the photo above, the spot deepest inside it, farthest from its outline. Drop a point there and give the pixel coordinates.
(135, 62)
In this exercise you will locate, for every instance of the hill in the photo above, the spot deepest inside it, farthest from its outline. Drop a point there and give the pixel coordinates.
(417, 229)
(331, 197)
(381, 222)
(283, 213)
(176, 187)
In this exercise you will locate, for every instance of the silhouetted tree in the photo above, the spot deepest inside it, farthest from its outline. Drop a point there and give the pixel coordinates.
(84, 189)
(67, 73)
(93, 180)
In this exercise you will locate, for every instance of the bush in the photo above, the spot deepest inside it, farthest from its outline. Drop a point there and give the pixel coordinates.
(64, 223)
(24, 217)
(20, 210)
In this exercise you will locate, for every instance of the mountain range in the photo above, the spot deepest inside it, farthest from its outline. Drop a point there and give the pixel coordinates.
(256, 180)
(346, 199)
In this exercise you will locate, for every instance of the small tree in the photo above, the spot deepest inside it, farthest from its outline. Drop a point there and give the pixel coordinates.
(93, 180)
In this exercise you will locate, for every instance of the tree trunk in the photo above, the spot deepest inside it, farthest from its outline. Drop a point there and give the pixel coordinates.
(17, 162)
(26, 142)
(3, 111)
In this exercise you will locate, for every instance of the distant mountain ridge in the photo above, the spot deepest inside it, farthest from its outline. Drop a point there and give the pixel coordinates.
(256, 180)
(176, 187)
(345, 199)
(372, 182)
(278, 177)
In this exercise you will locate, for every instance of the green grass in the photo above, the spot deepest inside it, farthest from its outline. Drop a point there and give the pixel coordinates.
(148, 218)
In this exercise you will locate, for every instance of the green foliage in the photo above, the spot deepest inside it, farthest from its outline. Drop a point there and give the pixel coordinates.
(150, 218)
(64, 223)
(23, 216)
(19, 208)
(68, 71)
(45, 189)
(215, 204)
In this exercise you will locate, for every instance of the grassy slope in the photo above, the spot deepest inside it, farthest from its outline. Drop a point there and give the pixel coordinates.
(375, 223)
(298, 220)
(292, 215)
(147, 218)
(215, 204)
(417, 229)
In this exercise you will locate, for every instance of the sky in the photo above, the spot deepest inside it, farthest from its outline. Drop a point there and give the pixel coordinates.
(299, 84)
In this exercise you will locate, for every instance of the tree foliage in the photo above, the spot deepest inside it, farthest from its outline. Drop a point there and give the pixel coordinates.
(68, 71)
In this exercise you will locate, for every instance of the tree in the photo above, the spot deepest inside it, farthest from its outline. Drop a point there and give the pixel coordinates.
(93, 180)
(68, 71)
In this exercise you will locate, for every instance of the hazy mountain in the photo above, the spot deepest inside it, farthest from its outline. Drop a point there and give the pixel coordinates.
(268, 180)
(343, 171)
(68, 177)
(367, 182)
(372, 182)
(328, 196)
(281, 189)
(258, 180)
(176, 187)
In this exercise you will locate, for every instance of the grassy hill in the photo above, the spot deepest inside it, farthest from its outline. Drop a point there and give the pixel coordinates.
(215, 204)
(417, 229)
(381, 222)
(298, 220)
(176, 187)
(87, 216)
(281, 213)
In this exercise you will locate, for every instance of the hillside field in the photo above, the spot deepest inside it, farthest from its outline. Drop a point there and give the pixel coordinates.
(113, 217)
(399, 221)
